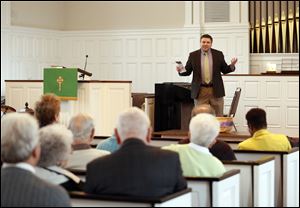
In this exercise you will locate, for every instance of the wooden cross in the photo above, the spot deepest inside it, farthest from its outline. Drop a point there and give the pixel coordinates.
(59, 80)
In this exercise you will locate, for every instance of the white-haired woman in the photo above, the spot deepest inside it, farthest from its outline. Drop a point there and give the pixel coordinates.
(195, 158)
(56, 141)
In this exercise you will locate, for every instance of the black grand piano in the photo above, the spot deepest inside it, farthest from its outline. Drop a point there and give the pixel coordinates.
(173, 106)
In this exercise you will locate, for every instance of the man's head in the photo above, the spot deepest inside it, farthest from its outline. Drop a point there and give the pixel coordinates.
(47, 109)
(206, 42)
(204, 128)
(19, 139)
(256, 120)
(133, 123)
(203, 108)
(83, 129)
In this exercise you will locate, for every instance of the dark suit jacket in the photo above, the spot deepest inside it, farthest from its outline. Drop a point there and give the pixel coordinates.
(219, 65)
(136, 169)
(21, 188)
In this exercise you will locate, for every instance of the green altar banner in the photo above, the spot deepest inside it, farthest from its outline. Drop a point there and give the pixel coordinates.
(61, 82)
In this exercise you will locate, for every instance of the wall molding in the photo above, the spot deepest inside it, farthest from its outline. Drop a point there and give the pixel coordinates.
(144, 56)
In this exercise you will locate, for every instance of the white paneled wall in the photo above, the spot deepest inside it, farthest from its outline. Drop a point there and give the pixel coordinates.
(25, 52)
(5, 13)
(145, 57)
(277, 95)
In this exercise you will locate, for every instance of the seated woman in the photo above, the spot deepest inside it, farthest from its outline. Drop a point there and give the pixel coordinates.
(47, 110)
(56, 141)
(195, 158)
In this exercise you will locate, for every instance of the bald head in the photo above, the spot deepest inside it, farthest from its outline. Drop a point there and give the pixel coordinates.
(203, 108)
(82, 127)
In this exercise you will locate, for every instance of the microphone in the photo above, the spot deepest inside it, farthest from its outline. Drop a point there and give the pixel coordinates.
(86, 56)
(85, 64)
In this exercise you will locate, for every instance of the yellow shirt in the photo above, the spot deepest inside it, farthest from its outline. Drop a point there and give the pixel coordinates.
(264, 140)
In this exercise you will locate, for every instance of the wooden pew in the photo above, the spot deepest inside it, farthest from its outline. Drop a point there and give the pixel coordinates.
(286, 173)
(257, 181)
(164, 141)
(217, 191)
(178, 199)
(207, 191)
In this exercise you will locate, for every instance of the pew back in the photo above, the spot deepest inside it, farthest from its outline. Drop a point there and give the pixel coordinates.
(286, 173)
(216, 192)
(257, 181)
(178, 199)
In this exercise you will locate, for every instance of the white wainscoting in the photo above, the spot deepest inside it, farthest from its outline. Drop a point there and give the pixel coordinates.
(144, 56)
(25, 52)
(277, 95)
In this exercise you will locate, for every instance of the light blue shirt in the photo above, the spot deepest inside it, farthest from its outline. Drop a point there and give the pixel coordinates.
(110, 144)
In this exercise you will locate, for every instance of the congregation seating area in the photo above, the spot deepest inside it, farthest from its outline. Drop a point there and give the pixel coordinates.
(253, 178)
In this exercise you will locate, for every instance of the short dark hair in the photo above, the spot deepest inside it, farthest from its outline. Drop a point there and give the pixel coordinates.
(206, 36)
(256, 118)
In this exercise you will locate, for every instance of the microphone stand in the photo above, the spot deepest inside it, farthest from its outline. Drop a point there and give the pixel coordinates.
(85, 64)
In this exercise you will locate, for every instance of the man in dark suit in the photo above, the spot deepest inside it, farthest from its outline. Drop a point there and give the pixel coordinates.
(20, 152)
(135, 169)
(207, 65)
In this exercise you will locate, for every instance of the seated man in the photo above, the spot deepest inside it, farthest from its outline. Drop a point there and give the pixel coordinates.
(56, 143)
(20, 152)
(219, 149)
(136, 169)
(195, 158)
(261, 138)
(82, 127)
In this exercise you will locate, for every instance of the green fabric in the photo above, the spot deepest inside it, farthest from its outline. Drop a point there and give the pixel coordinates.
(68, 87)
(197, 164)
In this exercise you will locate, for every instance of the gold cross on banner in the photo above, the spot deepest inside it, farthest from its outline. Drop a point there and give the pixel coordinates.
(59, 80)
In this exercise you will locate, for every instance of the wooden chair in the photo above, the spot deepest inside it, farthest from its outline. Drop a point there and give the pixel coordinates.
(234, 104)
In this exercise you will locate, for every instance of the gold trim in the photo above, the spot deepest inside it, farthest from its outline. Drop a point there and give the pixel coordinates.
(68, 98)
(291, 33)
(257, 39)
(276, 26)
(297, 26)
(270, 37)
(283, 32)
(263, 33)
(252, 38)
